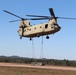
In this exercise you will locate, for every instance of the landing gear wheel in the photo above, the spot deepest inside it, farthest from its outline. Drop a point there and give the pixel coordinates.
(47, 37)
(30, 39)
(20, 37)
(38, 35)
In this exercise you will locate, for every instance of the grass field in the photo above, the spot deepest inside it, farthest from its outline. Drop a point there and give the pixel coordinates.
(32, 71)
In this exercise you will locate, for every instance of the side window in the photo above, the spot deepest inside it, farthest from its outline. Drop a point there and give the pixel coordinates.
(40, 27)
(35, 28)
(46, 25)
(29, 29)
(24, 30)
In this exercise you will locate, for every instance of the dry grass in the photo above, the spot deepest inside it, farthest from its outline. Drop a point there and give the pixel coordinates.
(33, 71)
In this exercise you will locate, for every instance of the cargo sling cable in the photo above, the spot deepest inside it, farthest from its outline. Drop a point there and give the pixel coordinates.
(33, 50)
(41, 53)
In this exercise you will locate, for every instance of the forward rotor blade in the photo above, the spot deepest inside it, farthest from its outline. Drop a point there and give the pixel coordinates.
(12, 14)
(66, 18)
(37, 16)
(52, 12)
(14, 20)
(43, 18)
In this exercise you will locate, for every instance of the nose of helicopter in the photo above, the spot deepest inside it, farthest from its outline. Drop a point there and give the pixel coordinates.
(59, 27)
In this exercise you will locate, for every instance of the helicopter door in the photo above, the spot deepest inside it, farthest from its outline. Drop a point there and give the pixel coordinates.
(46, 26)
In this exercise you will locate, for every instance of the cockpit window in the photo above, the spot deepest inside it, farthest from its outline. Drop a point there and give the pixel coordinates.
(54, 23)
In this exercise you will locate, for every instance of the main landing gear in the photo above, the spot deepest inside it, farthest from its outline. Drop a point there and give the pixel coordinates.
(20, 37)
(47, 37)
(30, 39)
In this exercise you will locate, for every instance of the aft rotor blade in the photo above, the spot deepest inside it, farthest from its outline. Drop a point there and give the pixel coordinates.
(51, 12)
(66, 18)
(30, 19)
(12, 14)
(37, 16)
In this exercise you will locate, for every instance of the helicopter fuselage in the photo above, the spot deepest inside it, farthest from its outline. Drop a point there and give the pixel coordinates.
(50, 27)
(26, 30)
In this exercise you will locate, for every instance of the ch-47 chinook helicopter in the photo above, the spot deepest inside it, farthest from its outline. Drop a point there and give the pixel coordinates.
(27, 30)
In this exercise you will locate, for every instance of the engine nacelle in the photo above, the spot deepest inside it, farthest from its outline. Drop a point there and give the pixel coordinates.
(24, 23)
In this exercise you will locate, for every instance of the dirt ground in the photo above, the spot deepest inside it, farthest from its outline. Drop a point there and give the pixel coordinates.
(41, 67)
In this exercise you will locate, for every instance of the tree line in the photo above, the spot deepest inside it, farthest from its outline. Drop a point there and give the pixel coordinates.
(17, 59)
